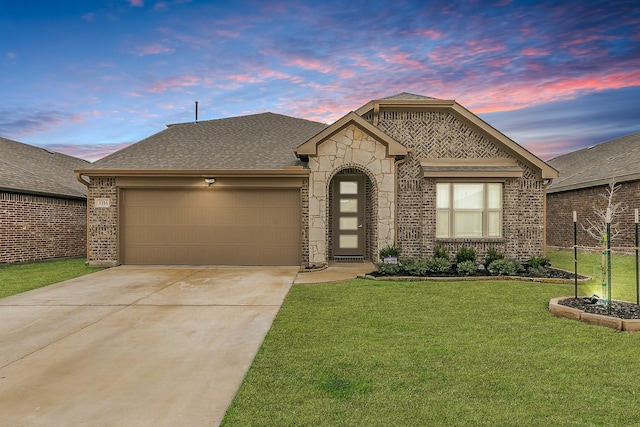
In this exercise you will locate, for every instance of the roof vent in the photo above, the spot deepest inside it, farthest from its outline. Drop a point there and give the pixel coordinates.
(196, 111)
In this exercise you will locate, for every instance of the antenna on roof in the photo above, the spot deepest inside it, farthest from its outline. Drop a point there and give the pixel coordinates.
(196, 111)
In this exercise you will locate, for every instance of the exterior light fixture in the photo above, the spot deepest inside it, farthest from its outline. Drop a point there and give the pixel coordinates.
(209, 181)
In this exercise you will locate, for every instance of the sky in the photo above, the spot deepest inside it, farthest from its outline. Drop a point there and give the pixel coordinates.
(89, 77)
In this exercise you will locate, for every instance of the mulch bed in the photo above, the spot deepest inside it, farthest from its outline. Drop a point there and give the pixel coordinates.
(595, 305)
(552, 273)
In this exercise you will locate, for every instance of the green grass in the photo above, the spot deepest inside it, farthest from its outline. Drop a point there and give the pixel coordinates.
(15, 279)
(366, 353)
(623, 273)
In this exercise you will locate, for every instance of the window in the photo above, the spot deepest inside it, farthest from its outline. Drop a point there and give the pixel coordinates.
(468, 210)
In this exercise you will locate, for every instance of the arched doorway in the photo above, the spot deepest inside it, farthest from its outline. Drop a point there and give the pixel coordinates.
(352, 227)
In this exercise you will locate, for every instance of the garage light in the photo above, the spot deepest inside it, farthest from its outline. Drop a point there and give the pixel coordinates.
(209, 181)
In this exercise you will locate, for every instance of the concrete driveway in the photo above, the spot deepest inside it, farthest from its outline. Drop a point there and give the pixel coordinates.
(135, 346)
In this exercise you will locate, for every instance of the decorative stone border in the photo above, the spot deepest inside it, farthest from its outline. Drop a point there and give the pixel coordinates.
(629, 325)
(474, 278)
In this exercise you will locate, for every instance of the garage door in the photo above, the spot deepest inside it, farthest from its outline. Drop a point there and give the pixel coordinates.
(210, 227)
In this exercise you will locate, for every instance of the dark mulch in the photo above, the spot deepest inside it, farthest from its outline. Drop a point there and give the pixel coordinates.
(595, 305)
(550, 272)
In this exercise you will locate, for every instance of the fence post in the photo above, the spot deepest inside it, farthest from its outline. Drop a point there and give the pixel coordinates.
(609, 259)
(575, 254)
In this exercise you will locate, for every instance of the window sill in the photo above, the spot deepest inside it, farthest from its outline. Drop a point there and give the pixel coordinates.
(470, 240)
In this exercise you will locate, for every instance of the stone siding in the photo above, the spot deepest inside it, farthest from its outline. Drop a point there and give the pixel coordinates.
(34, 228)
(103, 222)
(560, 207)
(439, 134)
(350, 148)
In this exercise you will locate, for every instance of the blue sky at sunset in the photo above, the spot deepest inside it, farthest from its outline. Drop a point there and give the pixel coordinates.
(89, 77)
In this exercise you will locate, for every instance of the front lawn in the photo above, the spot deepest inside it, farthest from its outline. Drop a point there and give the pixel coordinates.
(623, 273)
(15, 279)
(367, 353)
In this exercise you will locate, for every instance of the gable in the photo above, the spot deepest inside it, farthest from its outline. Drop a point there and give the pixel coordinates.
(310, 147)
(407, 120)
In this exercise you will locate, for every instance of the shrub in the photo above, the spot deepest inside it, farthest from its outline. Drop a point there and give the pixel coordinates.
(439, 251)
(466, 254)
(389, 251)
(466, 268)
(538, 272)
(504, 267)
(412, 267)
(437, 265)
(492, 255)
(387, 269)
(538, 261)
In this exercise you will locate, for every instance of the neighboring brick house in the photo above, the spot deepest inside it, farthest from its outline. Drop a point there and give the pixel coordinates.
(43, 212)
(268, 189)
(586, 174)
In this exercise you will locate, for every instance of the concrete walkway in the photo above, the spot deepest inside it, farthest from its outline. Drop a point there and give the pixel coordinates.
(139, 346)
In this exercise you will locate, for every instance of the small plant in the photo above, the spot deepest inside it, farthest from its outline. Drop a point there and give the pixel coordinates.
(538, 261)
(439, 251)
(466, 268)
(492, 255)
(504, 267)
(389, 251)
(387, 269)
(538, 271)
(412, 267)
(437, 265)
(466, 254)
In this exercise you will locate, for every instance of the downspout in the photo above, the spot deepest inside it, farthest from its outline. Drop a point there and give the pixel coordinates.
(545, 184)
(86, 184)
(395, 201)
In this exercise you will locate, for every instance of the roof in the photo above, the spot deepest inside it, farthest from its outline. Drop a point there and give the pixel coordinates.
(34, 170)
(259, 141)
(592, 166)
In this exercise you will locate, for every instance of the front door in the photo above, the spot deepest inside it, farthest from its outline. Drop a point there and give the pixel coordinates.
(348, 216)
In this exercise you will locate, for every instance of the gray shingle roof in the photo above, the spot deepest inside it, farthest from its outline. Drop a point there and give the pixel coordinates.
(596, 165)
(257, 141)
(34, 170)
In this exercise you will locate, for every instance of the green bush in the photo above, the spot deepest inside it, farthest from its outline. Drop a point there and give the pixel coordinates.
(389, 251)
(504, 267)
(538, 271)
(538, 261)
(466, 254)
(492, 255)
(437, 265)
(387, 269)
(439, 251)
(412, 267)
(466, 268)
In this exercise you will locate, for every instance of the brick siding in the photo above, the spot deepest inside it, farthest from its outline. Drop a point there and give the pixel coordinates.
(433, 134)
(560, 207)
(34, 228)
(103, 222)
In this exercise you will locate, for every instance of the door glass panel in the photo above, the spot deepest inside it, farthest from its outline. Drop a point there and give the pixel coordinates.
(348, 187)
(349, 205)
(348, 223)
(348, 241)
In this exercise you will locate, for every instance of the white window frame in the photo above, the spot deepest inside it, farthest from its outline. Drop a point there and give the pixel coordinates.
(445, 209)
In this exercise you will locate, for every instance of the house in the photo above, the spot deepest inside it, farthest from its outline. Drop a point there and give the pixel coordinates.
(586, 174)
(268, 189)
(43, 213)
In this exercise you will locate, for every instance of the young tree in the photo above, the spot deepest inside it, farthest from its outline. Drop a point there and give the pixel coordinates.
(598, 227)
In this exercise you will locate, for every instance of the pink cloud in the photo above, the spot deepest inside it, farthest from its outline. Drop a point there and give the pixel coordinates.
(174, 83)
(90, 152)
(136, 3)
(11, 55)
(153, 49)
(534, 52)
